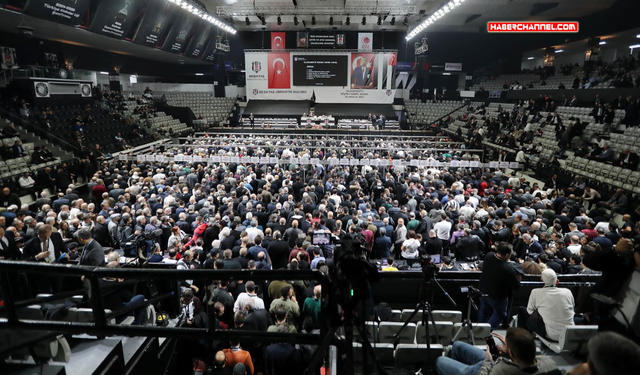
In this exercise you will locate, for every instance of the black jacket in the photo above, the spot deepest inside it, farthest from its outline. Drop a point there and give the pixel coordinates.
(33, 247)
(93, 255)
(10, 251)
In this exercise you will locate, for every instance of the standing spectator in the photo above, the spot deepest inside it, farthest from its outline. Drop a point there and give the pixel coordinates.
(498, 281)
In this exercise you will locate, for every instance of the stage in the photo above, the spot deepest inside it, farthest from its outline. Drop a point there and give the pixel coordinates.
(277, 108)
(296, 108)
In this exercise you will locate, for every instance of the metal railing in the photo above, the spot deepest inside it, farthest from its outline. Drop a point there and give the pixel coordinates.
(101, 325)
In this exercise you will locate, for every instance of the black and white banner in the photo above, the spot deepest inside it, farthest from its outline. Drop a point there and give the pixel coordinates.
(370, 77)
(198, 42)
(115, 18)
(68, 12)
(155, 23)
(180, 31)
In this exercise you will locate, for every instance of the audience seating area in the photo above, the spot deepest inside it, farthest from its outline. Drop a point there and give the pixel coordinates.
(213, 110)
(419, 113)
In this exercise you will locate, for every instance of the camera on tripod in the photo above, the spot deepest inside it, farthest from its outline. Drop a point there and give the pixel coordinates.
(471, 290)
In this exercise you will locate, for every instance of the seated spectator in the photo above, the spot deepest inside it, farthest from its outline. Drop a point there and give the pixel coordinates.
(550, 309)
(10, 131)
(390, 265)
(519, 346)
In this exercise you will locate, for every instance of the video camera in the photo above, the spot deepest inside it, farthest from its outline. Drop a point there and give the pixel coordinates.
(471, 290)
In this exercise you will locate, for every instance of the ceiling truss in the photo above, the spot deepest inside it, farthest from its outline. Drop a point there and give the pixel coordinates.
(245, 11)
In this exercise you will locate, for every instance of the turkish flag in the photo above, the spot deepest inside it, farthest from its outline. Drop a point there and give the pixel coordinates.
(279, 71)
(277, 40)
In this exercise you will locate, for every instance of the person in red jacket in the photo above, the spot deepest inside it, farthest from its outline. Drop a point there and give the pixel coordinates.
(98, 190)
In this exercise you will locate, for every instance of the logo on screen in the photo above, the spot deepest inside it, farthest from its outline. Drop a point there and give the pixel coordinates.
(340, 39)
(256, 66)
(388, 92)
(255, 91)
(366, 40)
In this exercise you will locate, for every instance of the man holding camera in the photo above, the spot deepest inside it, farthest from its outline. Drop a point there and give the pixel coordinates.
(498, 281)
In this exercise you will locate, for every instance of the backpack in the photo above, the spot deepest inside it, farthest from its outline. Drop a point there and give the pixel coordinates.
(383, 312)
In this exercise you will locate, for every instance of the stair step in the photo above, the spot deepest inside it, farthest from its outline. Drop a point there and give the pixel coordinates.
(90, 356)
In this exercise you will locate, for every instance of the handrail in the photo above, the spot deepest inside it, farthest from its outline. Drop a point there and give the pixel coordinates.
(20, 120)
(101, 325)
(448, 114)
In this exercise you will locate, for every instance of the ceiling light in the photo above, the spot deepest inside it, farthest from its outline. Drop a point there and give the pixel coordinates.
(638, 36)
(364, 21)
(602, 43)
(246, 20)
(105, 73)
(393, 21)
(634, 46)
(406, 21)
(379, 20)
(295, 20)
(559, 50)
(348, 21)
(313, 20)
(279, 20)
(331, 21)
(199, 74)
(529, 58)
(446, 74)
(264, 20)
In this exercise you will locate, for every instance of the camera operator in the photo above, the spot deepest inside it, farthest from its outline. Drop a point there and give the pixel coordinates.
(497, 282)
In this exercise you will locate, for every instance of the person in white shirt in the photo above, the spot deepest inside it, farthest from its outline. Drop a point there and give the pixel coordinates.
(443, 231)
(26, 181)
(410, 247)
(253, 231)
(241, 301)
(550, 309)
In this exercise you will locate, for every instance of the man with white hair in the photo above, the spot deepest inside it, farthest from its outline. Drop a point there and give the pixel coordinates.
(550, 309)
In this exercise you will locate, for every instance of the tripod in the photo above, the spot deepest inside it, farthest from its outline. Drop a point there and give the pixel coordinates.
(467, 322)
(427, 317)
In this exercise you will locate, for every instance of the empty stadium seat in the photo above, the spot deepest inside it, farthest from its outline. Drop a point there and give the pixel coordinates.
(572, 339)
(387, 330)
(415, 356)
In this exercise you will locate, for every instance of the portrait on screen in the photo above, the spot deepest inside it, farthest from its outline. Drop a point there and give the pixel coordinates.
(363, 71)
(303, 39)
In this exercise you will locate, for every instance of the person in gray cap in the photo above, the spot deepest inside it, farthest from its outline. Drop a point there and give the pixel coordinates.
(240, 369)
(93, 254)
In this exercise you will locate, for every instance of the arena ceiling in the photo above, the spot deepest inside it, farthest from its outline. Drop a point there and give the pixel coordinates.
(471, 16)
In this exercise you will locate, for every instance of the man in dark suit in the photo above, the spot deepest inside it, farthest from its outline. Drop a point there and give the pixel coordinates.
(361, 77)
(252, 121)
(46, 247)
(627, 159)
(93, 254)
(8, 247)
(101, 232)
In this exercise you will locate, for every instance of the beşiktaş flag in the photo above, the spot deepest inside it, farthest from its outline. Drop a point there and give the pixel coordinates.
(277, 40)
(388, 69)
(279, 71)
(8, 57)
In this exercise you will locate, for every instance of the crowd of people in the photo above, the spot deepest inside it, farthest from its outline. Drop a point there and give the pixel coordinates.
(288, 216)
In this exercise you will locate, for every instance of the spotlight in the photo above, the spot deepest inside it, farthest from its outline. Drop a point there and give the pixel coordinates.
(393, 21)
(313, 20)
(295, 20)
(279, 21)
(246, 20)
(331, 21)
(348, 21)
(364, 21)
(406, 21)
(379, 20)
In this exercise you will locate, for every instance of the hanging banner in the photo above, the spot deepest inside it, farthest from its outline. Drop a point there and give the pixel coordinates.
(277, 40)
(278, 65)
(210, 52)
(176, 40)
(66, 12)
(302, 39)
(8, 57)
(198, 41)
(363, 71)
(155, 23)
(115, 18)
(365, 41)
